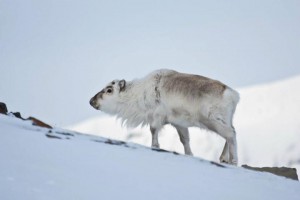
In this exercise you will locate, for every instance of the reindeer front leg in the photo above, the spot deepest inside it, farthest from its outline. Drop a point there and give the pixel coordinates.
(184, 138)
(157, 122)
(154, 132)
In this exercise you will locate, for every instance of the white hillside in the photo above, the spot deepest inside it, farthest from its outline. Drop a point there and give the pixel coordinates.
(268, 124)
(38, 163)
(266, 120)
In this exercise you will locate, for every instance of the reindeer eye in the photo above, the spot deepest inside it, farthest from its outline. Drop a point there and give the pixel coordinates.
(109, 90)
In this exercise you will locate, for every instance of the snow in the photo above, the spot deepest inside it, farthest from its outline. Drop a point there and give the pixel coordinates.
(266, 121)
(34, 164)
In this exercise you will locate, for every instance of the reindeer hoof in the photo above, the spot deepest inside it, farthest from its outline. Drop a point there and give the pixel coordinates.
(224, 160)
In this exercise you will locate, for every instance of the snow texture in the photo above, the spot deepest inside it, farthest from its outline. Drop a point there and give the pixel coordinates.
(39, 164)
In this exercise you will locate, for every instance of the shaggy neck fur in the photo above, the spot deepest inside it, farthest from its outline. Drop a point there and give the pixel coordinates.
(134, 104)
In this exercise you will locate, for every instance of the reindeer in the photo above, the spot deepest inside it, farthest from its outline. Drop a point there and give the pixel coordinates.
(169, 97)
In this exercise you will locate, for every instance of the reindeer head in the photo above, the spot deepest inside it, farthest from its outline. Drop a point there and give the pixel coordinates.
(106, 100)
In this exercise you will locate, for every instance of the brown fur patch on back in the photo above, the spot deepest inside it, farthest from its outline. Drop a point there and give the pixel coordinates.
(193, 85)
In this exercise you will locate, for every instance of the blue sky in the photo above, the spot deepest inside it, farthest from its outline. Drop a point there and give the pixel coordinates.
(55, 55)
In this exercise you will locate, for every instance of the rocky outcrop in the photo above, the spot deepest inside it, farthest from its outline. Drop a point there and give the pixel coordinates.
(3, 108)
(35, 121)
(38, 122)
(280, 171)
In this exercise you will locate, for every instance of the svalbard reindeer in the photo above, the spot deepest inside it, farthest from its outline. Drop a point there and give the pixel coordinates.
(169, 97)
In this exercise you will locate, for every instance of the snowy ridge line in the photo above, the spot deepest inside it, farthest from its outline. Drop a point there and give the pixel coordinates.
(59, 133)
(63, 134)
(52, 134)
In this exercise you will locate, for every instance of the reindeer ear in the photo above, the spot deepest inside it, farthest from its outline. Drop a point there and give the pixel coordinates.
(122, 85)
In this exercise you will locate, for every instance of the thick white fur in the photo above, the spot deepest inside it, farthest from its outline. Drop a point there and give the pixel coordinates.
(147, 101)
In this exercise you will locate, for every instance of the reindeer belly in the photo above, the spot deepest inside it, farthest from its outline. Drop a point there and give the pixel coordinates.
(186, 111)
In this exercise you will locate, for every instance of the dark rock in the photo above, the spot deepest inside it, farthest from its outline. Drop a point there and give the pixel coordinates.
(37, 122)
(287, 172)
(52, 136)
(164, 151)
(63, 133)
(17, 115)
(3, 108)
(217, 164)
(114, 142)
(58, 135)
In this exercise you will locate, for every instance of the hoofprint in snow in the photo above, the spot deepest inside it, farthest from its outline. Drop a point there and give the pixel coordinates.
(39, 163)
(266, 121)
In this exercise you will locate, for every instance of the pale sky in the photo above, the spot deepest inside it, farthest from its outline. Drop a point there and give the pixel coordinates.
(56, 54)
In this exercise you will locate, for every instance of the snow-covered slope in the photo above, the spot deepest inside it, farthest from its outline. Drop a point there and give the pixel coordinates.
(268, 124)
(36, 163)
(266, 120)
